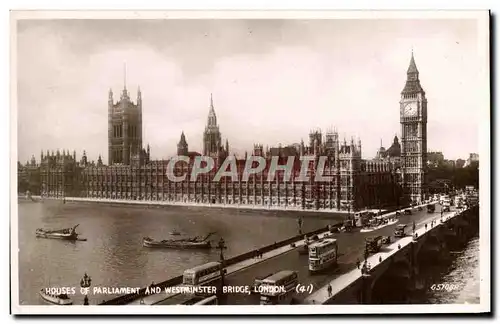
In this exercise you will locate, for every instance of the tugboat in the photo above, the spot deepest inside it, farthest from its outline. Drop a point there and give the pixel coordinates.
(175, 232)
(186, 243)
(61, 299)
(68, 234)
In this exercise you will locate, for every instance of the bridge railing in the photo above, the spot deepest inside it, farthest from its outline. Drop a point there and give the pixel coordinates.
(125, 299)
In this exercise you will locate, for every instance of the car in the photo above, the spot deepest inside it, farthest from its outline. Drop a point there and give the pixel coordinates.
(407, 212)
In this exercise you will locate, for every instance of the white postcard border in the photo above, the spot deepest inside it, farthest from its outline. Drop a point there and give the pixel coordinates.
(485, 172)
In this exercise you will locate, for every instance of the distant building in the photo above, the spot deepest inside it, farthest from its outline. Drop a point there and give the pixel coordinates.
(473, 158)
(392, 154)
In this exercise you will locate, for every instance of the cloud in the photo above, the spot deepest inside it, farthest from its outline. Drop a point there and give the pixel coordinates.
(272, 81)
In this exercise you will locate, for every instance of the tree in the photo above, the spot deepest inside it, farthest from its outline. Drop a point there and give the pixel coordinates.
(457, 177)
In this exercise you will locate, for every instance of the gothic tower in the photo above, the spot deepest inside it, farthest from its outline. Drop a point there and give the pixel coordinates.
(413, 116)
(124, 127)
(212, 145)
(182, 146)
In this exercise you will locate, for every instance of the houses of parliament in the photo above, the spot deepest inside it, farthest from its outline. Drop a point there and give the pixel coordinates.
(396, 176)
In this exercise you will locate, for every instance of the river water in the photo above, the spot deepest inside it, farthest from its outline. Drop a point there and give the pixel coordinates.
(113, 254)
(462, 274)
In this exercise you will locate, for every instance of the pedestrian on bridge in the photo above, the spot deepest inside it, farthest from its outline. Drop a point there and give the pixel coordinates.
(426, 227)
(329, 290)
(357, 263)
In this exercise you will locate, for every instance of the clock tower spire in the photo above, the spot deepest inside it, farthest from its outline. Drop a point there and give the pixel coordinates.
(413, 118)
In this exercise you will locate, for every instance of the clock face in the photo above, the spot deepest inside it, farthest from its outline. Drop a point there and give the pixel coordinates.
(410, 109)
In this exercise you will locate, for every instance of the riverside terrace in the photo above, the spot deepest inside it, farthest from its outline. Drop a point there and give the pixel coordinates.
(276, 258)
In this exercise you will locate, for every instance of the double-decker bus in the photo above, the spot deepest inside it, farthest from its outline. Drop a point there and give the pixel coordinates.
(278, 288)
(258, 282)
(208, 273)
(322, 254)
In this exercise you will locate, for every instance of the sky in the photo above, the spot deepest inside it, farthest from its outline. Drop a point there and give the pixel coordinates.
(272, 81)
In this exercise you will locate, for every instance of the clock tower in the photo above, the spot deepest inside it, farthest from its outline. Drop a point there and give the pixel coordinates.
(413, 116)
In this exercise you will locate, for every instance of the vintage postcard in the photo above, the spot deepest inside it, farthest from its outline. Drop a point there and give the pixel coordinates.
(254, 162)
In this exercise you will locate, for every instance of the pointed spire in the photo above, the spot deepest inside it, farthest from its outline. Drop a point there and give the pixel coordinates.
(124, 92)
(212, 118)
(413, 67)
(124, 76)
(212, 110)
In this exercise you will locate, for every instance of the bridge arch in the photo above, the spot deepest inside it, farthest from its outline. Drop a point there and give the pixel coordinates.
(392, 286)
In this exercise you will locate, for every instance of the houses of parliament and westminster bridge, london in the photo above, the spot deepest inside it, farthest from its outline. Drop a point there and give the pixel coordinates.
(396, 176)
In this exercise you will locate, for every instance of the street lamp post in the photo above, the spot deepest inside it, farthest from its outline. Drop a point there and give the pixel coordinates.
(85, 284)
(221, 245)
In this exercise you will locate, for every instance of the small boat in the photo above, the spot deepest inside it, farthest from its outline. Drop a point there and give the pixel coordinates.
(187, 243)
(174, 232)
(61, 234)
(61, 299)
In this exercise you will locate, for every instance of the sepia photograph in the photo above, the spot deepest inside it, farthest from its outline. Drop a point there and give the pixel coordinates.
(272, 162)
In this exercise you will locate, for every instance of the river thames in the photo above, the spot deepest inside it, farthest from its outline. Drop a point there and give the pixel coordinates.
(113, 254)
